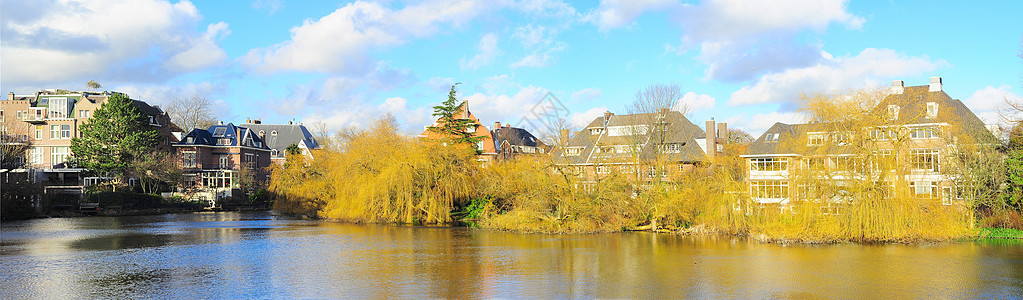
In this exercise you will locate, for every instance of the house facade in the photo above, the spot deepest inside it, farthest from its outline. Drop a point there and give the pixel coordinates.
(220, 161)
(46, 121)
(649, 146)
(278, 137)
(908, 143)
(486, 146)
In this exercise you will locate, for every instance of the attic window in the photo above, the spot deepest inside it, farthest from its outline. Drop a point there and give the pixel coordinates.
(893, 112)
(262, 133)
(273, 133)
(190, 140)
(932, 110)
(572, 151)
(220, 131)
(771, 137)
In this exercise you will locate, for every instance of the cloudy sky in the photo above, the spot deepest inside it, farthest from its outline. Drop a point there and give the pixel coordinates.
(345, 63)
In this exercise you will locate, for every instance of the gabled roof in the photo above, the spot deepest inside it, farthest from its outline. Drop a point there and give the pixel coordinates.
(680, 131)
(237, 135)
(280, 136)
(516, 137)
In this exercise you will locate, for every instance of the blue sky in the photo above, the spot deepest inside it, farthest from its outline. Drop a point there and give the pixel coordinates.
(346, 63)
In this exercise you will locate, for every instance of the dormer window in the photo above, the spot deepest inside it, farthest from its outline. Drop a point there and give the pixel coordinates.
(189, 140)
(219, 131)
(572, 151)
(596, 131)
(932, 110)
(771, 137)
(893, 112)
(273, 133)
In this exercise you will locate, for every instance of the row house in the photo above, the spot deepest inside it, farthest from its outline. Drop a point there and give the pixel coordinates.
(911, 134)
(218, 162)
(278, 137)
(47, 120)
(650, 146)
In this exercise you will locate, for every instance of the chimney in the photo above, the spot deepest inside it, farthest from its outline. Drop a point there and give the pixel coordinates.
(257, 121)
(465, 110)
(898, 87)
(711, 143)
(723, 132)
(10, 96)
(497, 125)
(220, 123)
(248, 121)
(291, 122)
(563, 138)
(607, 117)
(935, 84)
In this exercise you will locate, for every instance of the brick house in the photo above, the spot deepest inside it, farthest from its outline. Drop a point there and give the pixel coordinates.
(486, 145)
(217, 162)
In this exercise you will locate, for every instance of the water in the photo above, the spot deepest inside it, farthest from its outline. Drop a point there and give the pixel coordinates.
(259, 255)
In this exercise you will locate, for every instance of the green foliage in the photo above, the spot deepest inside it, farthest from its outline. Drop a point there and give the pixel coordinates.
(92, 84)
(1014, 172)
(451, 124)
(115, 138)
(293, 150)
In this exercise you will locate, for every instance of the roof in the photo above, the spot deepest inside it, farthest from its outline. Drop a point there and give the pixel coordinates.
(912, 106)
(516, 137)
(280, 136)
(236, 135)
(680, 131)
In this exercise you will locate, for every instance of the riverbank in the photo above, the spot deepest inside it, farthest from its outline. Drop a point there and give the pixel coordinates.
(117, 212)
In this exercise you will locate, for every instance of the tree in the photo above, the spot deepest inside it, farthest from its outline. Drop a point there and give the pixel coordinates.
(653, 133)
(92, 84)
(114, 138)
(13, 147)
(458, 130)
(192, 112)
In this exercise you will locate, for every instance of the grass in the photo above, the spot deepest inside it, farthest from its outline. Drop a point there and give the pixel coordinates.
(1000, 233)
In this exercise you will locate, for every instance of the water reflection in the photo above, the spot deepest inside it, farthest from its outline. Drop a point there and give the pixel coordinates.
(260, 255)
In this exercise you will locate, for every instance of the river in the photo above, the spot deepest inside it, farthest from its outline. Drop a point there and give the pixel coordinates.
(261, 255)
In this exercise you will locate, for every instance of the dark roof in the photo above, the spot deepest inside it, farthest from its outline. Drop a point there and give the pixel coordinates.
(516, 137)
(208, 137)
(287, 134)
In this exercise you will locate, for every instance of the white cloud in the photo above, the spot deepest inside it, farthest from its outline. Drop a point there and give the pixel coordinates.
(203, 53)
(868, 68)
(617, 13)
(503, 107)
(105, 39)
(540, 42)
(586, 95)
(546, 8)
(343, 40)
(988, 101)
(756, 124)
(692, 102)
(580, 120)
(488, 50)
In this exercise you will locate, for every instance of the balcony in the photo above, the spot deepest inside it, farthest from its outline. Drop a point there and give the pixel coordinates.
(34, 119)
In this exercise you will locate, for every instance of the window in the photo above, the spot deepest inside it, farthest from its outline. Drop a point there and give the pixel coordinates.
(572, 151)
(671, 148)
(54, 132)
(893, 112)
(771, 137)
(35, 155)
(219, 131)
(924, 189)
(58, 155)
(932, 110)
(39, 132)
(152, 121)
(250, 160)
(924, 133)
(882, 134)
(606, 149)
(218, 179)
(596, 131)
(769, 164)
(274, 152)
(815, 139)
(224, 142)
(188, 159)
(925, 159)
(273, 133)
(602, 169)
(84, 114)
(189, 140)
(769, 189)
(19, 115)
(1, 116)
(225, 162)
(65, 131)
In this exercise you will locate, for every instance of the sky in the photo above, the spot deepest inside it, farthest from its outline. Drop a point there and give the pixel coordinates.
(348, 63)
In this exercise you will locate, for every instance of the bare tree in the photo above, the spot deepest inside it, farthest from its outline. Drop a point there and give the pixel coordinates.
(14, 144)
(652, 131)
(192, 112)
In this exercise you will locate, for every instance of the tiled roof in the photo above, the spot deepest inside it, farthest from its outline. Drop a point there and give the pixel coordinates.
(680, 131)
(210, 136)
(286, 135)
(516, 137)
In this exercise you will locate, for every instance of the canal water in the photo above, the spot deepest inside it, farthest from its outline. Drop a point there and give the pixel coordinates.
(261, 255)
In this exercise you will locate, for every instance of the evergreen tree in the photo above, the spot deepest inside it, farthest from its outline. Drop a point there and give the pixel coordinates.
(451, 124)
(116, 137)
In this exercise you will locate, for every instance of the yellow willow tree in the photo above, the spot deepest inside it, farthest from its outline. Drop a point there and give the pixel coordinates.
(869, 167)
(381, 175)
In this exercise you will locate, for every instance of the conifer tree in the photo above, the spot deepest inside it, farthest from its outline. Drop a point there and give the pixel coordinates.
(451, 124)
(114, 138)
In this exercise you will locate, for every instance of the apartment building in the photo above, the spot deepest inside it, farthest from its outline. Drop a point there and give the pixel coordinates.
(47, 120)
(219, 160)
(653, 146)
(908, 142)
